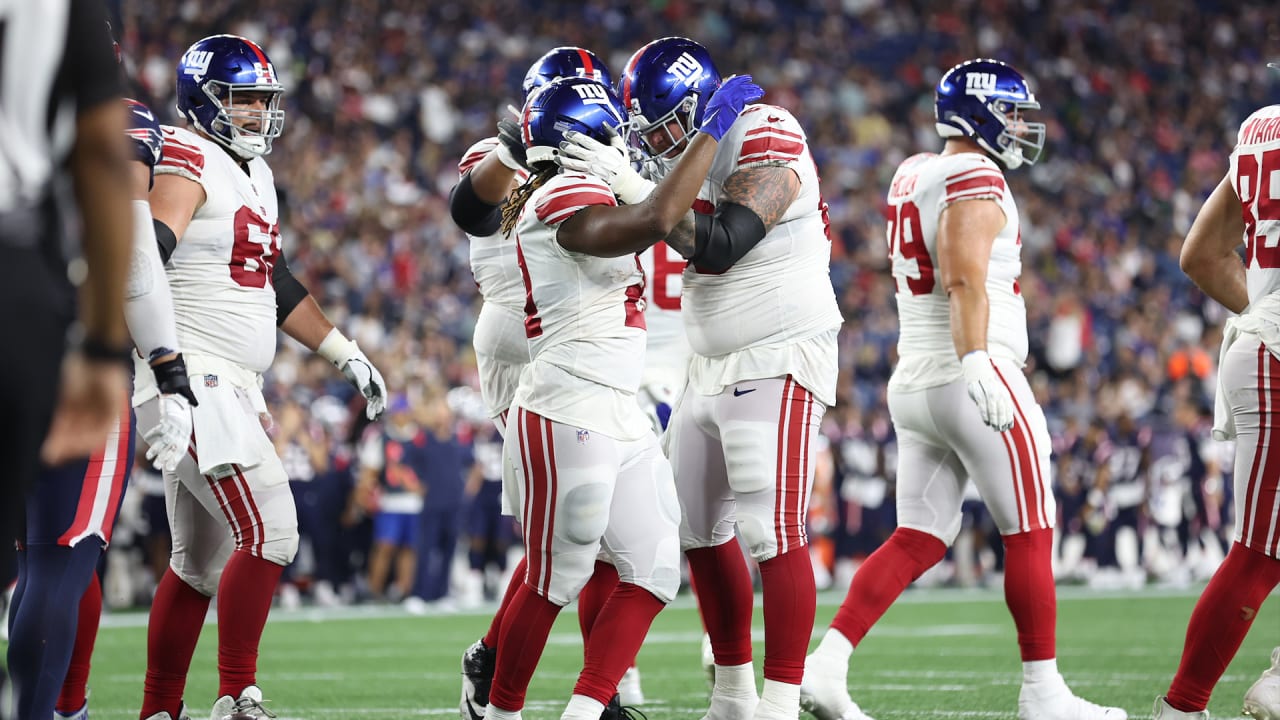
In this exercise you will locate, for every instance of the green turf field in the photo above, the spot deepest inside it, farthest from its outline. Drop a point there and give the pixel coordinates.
(937, 654)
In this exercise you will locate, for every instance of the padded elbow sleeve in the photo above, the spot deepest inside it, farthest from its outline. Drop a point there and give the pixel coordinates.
(289, 290)
(722, 239)
(475, 216)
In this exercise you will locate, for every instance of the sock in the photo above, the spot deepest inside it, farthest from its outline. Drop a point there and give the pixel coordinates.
(173, 628)
(1029, 592)
(495, 626)
(835, 648)
(615, 639)
(73, 697)
(1219, 622)
(735, 681)
(882, 578)
(790, 600)
(779, 698)
(593, 597)
(44, 623)
(1035, 671)
(525, 627)
(249, 583)
(725, 598)
(581, 707)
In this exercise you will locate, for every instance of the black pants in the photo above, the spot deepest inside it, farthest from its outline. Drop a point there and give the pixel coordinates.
(35, 310)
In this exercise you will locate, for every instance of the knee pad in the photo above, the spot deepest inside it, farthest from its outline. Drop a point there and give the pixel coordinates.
(759, 535)
(661, 574)
(279, 545)
(585, 512)
(203, 580)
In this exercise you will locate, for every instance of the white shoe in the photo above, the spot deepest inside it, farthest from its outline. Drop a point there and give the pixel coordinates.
(629, 692)
(182, 714)
(708, 663)
(824, 693)
(81, 714)
(1164, 712)
(248, 705)
(1055, 701)
(724, 707)
(1262, 701)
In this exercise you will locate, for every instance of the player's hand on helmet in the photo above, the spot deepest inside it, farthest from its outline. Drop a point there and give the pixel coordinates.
(727, 103)
(611, 163)
(168, 440)
(511, 151)
(988, 392)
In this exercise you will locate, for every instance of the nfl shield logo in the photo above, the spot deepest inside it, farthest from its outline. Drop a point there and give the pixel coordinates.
(211, 381)
(583, 436)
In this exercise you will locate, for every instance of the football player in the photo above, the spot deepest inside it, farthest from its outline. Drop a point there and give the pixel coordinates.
(584, 466)
(232, 514)
(1242, 209)
(490, 170)
(74, 506)
(761, 318)
(956, 258)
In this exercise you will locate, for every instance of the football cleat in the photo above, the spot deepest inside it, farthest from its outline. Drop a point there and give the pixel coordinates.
(245, 707)
(1262, 701)
(1055, 701)
(1164, 711)
(615, 710)
(182, 714)
(478, 664)
(825, 695)
(81, 714)
(629, 688)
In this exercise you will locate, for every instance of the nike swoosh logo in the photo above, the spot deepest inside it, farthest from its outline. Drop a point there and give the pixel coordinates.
(710, 117)
(740, 393)
(472, 712)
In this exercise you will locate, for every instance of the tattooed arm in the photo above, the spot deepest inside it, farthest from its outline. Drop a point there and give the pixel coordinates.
(755, 199)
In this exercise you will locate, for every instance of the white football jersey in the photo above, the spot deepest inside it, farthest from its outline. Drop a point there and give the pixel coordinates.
(223, 298)
(781, 289)
(925, 185)
(667, 350)
(493, 257)
(1255, 174)
(584, 318)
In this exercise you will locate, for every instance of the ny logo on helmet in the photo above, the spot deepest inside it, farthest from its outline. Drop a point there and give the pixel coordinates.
(685, 68)
(979, 83)
(592, 93)
(196, 62)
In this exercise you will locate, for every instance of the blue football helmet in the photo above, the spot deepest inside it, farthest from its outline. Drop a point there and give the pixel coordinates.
(210, 75)
(669, 79)
(571, 103)
(144, 130)
(984, 100)
(565, 62)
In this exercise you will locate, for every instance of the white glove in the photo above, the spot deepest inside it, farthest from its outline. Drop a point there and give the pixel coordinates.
(356, 368)
(169, 439)
(611, 163)
(994, 402)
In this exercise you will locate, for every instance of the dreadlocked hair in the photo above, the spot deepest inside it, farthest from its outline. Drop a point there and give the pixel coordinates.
(520, 196)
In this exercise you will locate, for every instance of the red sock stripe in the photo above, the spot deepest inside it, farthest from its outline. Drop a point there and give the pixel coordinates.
(1029, 458)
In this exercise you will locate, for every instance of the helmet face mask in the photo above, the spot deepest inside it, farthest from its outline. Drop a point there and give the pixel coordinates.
(666, 85)
(985, 101)
(227, 88)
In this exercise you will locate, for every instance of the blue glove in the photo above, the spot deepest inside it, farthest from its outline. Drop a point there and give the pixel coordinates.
(727, 103)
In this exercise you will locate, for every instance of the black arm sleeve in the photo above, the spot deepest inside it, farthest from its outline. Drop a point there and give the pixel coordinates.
(289, 290)
(469, 212)
(722, 239)
(165, 240)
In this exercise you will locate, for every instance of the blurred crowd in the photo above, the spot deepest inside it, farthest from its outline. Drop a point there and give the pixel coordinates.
(1142, 100)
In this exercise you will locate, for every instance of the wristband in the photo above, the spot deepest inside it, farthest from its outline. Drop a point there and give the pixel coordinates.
(336, 348)
(98, 351)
